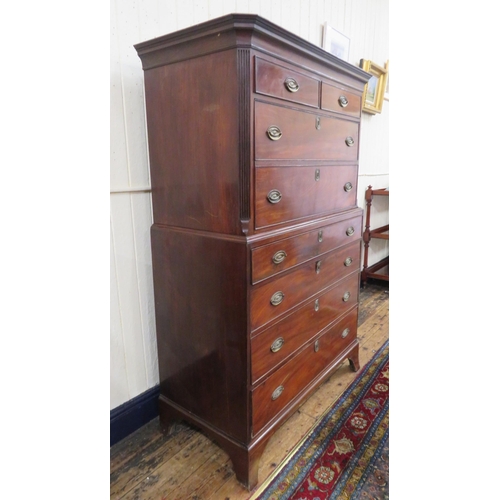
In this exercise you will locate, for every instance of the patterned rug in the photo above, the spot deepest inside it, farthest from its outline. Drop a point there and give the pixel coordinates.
(346, 455)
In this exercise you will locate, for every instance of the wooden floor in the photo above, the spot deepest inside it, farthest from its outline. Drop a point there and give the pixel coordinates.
(186, 465)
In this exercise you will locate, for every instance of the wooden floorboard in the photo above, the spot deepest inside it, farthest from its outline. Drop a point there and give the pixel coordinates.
(148, 465)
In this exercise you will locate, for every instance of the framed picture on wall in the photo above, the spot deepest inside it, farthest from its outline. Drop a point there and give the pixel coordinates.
(373, 95)
(335, 42)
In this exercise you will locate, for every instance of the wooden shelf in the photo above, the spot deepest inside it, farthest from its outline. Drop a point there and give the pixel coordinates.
(379, 270)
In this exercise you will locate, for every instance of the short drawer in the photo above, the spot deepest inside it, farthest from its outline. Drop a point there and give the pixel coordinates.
(276, 344)
(281, 255)
(285, 83)
(286, 384)
(285, 133)
(285, 194)
(339, 100)
(273, 298)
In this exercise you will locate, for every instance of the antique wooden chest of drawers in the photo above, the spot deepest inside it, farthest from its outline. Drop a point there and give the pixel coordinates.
(256, 238)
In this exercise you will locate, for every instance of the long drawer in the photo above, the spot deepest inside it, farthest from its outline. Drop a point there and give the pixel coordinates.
(281, 255)
(269, 398)
(285, 133)
(284, 194)
(276, 344)
(275, 297)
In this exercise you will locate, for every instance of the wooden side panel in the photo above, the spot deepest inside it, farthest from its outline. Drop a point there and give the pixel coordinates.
(192, 112)
(200, 300)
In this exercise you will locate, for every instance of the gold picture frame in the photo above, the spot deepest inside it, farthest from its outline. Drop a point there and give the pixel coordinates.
(373, 95)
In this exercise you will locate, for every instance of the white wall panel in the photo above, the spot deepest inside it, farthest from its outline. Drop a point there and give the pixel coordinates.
(133, 344)
(118, 367)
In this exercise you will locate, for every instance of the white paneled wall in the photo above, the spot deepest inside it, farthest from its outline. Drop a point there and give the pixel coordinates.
(134, 367)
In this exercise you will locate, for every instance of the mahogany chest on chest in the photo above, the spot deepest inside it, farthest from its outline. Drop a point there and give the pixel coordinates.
(256, 238)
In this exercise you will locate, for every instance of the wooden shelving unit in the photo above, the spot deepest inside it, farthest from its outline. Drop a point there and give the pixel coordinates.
(379, 270)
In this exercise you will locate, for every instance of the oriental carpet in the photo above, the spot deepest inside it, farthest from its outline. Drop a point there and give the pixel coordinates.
(346, 455)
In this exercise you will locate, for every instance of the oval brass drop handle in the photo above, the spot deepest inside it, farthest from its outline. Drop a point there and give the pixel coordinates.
(348, 262)
(345, 333)
(277, 298)
(316, 305)
(343, 101)
(277, 344)
(279, 256)
(346, 296)
(291, 85)
(277, 392)
(316, 346)
(274, 196)
(349, 141)
(274, 133)
(347, 186)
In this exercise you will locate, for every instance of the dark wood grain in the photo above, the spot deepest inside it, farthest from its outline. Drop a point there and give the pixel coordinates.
(193, 129)
(294, 378)
(301, 283)
(301, 326)
(212, 91)
(270, 80)
(200, 302)
(303, 195)
(330, 95)
(300, 137)
(300, 248)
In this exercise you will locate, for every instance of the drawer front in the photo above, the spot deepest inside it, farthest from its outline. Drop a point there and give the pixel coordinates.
(339, 100)
(283, 339)
(284, 133)
(284, 194)
(269, 398)
(282, 82)
(275, 297)
(279, 256)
